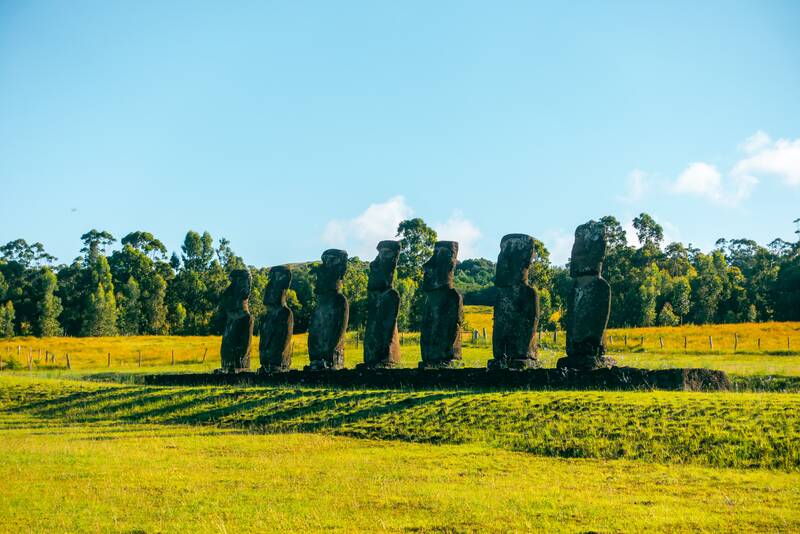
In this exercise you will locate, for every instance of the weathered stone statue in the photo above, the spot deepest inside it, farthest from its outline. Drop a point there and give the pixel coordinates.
(329, 321)
(238, 333)
(516, 310)
(277, 324)
(589, 303)
(443, 312)
(381, 341)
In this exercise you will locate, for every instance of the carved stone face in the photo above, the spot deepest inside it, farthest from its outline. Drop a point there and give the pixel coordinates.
(240, 284)
(514, 261)
(331, 272)
(382, 268)
(438, 270)
(589, 250)
(280, 278)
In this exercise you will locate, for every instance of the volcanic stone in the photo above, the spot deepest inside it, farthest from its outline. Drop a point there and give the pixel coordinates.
(443, 311)
(238, 333)
(277, 324)
(329, 320)
(516, 310)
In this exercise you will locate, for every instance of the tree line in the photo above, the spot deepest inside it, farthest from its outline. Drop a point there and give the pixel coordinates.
(140, 289)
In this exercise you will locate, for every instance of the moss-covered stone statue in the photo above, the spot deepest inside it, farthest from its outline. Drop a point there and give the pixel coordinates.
(329, 320)
(381, 341)
(443, 311)
(277, 324)
(589, 302)
(516, 310)
(238, 333)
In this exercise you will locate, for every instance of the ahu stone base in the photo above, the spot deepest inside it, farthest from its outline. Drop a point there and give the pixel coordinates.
(616, 378)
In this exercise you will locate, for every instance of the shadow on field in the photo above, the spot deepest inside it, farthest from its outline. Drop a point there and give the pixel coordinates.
(266, 409)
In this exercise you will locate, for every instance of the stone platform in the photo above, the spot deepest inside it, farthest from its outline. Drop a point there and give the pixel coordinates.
(617, 378)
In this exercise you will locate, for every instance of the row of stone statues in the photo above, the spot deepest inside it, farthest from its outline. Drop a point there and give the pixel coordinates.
(516, 311)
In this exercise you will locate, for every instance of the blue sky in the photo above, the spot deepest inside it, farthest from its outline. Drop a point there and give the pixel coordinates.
(290, 127)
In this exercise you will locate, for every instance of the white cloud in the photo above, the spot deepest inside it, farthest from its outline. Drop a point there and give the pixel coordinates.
(458, 228)
(755, 142)
(781, 159)
(700, 179)
(360, 235)
(762, 157)
(637, 186)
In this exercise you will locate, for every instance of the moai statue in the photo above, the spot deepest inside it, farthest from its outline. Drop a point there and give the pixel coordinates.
(589, 302)
(329, 321)
(443, 312)
(238, 333)
(381, 340)
(277, 324)
(516, 310)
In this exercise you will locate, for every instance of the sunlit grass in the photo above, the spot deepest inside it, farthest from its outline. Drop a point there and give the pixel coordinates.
(144, 478)
(722, 429)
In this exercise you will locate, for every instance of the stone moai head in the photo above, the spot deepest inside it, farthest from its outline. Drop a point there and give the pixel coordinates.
(438, 270)
(331, 272)
(514, 262)
(383, 267)
(239, 291)
(280, 278)
(589, 250)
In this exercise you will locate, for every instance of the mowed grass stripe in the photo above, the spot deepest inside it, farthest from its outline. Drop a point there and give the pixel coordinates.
(744, 430)
(145, 478)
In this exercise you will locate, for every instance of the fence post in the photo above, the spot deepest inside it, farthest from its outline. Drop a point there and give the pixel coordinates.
(710, 343)
(204, 355)
(610, 340)
(173, 356)
(69, 365)
(735, 341)
(661, 341)
(484, 333)
(685, 343)
(402, 338)
(626, 341)
(140, 357)
(759, 343)
(109, 359)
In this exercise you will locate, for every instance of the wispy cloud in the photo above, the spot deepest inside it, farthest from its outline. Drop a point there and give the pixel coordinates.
(360, 234)
(458, 228)
(761, 157)
(766, 158)
(638, 184)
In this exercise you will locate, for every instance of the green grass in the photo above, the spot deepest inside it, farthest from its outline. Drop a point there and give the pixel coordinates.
(144, 478)
(78, 455)
(743, 430)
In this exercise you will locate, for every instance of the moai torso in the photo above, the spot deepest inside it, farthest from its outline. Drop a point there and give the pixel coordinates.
(587, 315)
(277, 324)
(589, 302)
(516, 310)
(329, 320)
(381, 341)
(238, 332)
(443, 311)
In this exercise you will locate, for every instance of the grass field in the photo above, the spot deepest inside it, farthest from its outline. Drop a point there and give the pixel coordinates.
(113, 455)
(80, 456)
(150, 478)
